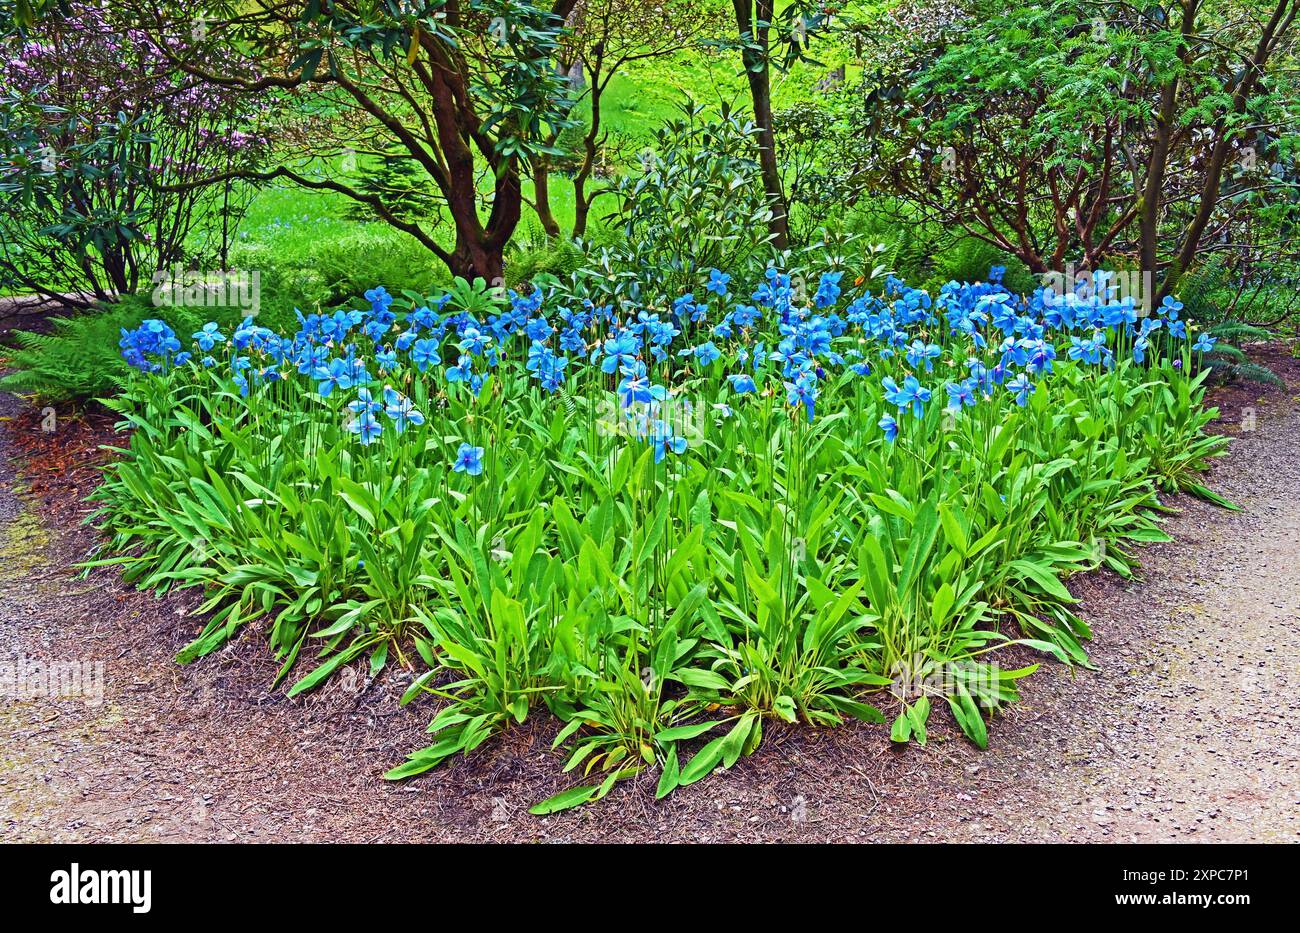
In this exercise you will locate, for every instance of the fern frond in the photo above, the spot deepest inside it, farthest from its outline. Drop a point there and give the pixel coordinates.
(1245, 371)
(1236, 332)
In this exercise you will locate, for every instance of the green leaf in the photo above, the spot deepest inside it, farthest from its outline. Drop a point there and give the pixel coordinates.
(1209, 495)
(1044, 578)
(969, 718)
(863, 712)
(695, 677)
(784, 707)
(565, 800)
(944, 597)
(682, 733)
(705, 760)
(321, 672)
(918, 714)
(733, 743)
(668, 780)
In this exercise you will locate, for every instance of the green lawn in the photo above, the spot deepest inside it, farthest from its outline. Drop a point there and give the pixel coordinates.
(293, 222)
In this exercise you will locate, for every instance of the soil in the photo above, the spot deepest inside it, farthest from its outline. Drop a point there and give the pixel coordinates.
(31, 313)
(1185, 730)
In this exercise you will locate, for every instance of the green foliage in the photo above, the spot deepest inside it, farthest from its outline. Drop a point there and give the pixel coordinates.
(1221, 295)
(79, 359)
(1244, 370)
(323, 272)
(973, 126)
(103, 141)
(1236, 332)
(569, 145)
(1212, 301)
(778, 569)
(968, 260)
(1228, 361)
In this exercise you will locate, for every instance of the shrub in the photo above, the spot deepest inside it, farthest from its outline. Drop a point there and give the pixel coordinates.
(78, 360)
(400, 183)
(94, 121)
(698, 202)
(968, 260)
(536, 256)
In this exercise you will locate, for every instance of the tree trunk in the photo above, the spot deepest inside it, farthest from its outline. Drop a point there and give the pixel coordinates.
(476, 260)
(1281, 21)
(480, 248)
(581, 207)
(542, 196)
(581, 200)
(760, 92)
(1157, 166)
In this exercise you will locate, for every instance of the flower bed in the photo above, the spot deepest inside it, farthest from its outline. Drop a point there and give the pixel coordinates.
(666, 526)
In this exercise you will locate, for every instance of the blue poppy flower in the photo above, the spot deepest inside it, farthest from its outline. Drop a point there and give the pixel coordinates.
(424, 353)
(538, 329)
(619, 351)
(718, 282)
(334, 376)
(462, 371)
(745, 315)
(665, 441)
(1022, 387)
(379, 299)
(803, 391)
(707, 353)
(367, 427)
(1140, 346)
(474, 342)
(911, 393)
(828, 289)
(469, 460)
(209, 336)
(961, 394)
(921, 352)
(742, 383)
(401, 409)
(365, 402)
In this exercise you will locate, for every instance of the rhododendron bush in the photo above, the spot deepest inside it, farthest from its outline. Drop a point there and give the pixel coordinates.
(103, 144)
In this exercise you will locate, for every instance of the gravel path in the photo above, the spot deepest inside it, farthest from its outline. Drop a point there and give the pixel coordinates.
(1187, 729)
